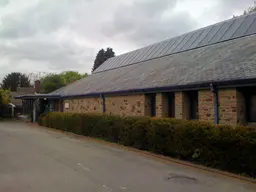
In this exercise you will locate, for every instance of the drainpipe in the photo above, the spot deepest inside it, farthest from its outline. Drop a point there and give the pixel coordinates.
(34, 111)
(103, 103)
(216, 103)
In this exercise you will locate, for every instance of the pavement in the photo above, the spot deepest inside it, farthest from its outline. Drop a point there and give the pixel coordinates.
(35, 159)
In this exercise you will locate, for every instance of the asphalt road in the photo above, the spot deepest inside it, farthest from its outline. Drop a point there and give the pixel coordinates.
(34, 159)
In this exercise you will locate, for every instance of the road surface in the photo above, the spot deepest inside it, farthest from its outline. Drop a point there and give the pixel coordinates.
(34, 159)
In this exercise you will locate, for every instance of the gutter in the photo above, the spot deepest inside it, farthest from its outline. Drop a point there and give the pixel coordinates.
(103, 103)
(203, 85)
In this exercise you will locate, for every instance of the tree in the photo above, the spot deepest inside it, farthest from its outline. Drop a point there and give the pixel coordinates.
(102, 56)
(52, 82)
(71, 76)
(109, 53)
(250, 9)
(5, 96)
(14, 80)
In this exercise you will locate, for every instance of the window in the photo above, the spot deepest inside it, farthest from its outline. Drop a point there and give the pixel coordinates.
(171, 105)
(252, 108)
(151, 105)
(192, 104)
(250, 102)
(246, 105)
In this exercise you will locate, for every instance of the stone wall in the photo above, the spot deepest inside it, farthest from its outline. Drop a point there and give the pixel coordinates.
(128, 105)
(178, 105)
(181, 105)
(228, 106)
(161, 105)
(206, 105)
(231, 105)
(86, 105)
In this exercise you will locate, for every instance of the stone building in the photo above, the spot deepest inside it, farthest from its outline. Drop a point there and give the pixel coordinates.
(208, 74)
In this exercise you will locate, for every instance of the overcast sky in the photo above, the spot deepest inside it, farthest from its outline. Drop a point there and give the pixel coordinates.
(59, 35)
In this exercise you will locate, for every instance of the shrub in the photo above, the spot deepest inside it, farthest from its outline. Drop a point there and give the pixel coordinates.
(223, 147)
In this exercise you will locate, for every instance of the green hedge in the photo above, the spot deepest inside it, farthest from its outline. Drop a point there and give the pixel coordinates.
(222, 147)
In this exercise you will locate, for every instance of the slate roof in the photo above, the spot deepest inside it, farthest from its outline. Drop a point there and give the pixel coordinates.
(221, 62)
(227, 30)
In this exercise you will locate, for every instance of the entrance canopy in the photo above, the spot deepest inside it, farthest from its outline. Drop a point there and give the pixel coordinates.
(38, 96)
(40, 103)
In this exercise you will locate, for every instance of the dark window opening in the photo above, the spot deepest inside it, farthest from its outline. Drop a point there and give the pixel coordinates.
(151, 104)
(61, 106)
(253, 108)
(192, 104)
(44, 105)
(171, 105)
(250, 104)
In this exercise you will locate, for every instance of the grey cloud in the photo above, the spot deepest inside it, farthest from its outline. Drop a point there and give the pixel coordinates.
(31, 35)
(14, 27)
(49, 51)
(4, 2)
(227, 8)
(44, 17)
(144, 22)
(150, 8)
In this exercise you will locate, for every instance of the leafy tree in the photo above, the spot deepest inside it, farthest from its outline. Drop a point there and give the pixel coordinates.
(71, 76)
(52, 82)
(5, 96)
(102, 56)
(250, 9)
(109, 53)
(13, 80)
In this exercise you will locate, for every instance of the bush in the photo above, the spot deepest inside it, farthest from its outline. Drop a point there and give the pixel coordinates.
(222, 147)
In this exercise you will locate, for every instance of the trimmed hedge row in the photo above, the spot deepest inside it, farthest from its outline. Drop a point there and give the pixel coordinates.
(222, 147)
